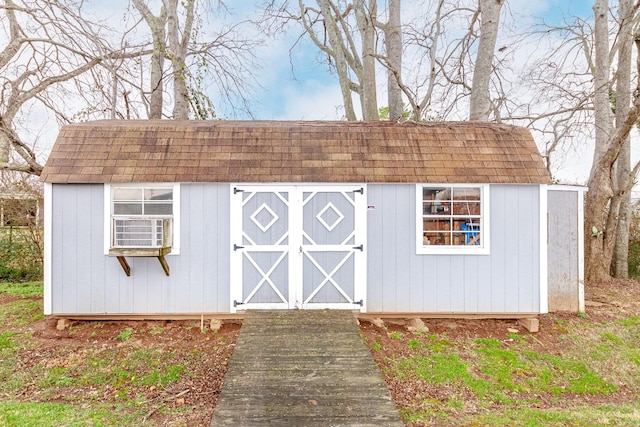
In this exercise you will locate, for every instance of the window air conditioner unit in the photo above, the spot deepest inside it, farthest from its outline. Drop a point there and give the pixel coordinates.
(136, 233)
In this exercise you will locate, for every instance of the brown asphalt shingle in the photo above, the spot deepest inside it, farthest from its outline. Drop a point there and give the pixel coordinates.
(293, 151)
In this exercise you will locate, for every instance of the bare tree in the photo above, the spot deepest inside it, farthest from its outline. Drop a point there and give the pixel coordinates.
(604, 198)
(49, 46)
(393, 59)
(331, 26)
(224, 57)
(622, 180)
(480, 102)
(158, 35)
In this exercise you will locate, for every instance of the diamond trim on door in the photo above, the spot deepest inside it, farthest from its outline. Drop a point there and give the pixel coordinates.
(335, 210)
(274, 217)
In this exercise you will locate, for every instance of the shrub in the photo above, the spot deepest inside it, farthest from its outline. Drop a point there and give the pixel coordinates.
(21, 256)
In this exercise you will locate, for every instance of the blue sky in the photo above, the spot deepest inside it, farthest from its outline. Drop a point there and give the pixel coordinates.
(299, 87)
(309, 91)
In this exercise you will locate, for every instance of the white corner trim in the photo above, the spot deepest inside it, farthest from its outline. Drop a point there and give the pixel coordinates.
(580, 213)
(544, 268)
(48, 204)
(106, 214)
(177, 219)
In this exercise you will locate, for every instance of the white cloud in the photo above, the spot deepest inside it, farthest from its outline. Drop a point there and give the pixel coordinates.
(311, 100)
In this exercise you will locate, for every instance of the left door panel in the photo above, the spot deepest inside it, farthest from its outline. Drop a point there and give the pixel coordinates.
(261, 248)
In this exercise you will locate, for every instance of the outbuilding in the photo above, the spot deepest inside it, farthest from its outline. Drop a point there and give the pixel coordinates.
(211, 218)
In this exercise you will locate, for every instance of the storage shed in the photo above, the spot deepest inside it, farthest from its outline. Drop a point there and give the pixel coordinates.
(210, 218)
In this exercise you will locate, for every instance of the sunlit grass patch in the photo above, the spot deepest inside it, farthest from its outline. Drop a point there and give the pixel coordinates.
(23, 290)
(27, 414)
(585, 416)
(7, 341)
(21, 312)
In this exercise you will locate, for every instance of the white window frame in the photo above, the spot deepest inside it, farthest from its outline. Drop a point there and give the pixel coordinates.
(108, 211)
(481, 249)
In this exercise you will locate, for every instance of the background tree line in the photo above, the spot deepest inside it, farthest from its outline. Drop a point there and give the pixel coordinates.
(421, 60)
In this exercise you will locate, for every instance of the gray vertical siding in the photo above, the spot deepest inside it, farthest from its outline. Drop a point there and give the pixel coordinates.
(563, 253)
(85, 281)
(505, 281)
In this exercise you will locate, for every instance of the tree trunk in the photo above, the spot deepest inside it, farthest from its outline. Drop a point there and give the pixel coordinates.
(599, 196)
(393, 43)
(157, 26)
(337, 51)
(178, 55)
(365, 16)
(480, 103)
(622, 176)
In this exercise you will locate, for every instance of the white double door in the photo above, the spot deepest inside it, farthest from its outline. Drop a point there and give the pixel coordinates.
(295, 246)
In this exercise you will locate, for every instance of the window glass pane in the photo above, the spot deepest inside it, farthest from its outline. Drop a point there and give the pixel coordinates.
(471, 232)
(436, 231)
(437, 224)
(158, 194)
(124, 193)
(120, 208)
(436, 201)
(158, 208)
(463, 193)
(466, 208)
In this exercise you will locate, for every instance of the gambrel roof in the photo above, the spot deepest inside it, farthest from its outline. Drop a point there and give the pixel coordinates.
(293, 151)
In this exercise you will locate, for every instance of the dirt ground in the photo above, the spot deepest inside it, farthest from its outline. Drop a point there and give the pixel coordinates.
(198, 392)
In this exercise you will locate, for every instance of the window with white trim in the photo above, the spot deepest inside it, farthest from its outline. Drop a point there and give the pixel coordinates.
(142, 216)
(452, 218)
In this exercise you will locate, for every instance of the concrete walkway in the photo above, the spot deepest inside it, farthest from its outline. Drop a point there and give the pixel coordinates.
(303, 368)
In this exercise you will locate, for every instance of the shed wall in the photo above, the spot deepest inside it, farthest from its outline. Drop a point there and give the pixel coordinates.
(85, 281)
(505, 281)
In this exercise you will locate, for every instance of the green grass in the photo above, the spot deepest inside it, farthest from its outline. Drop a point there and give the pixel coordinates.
(124, 335)
(6, 340)
(27, 414)
(23, 290)
(396, 335)
(21, 312)
(496, 372)
(581, 416)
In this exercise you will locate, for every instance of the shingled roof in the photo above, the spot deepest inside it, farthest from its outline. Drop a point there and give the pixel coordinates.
(278, 151)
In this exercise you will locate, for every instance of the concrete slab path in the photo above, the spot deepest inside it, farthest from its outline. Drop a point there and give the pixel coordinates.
(303, 368)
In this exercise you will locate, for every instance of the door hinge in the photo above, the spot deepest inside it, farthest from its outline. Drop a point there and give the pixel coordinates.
(361, 247)
(237, 303)
(360, 303)
(236, 190)
(360, 190)
(236, 247)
